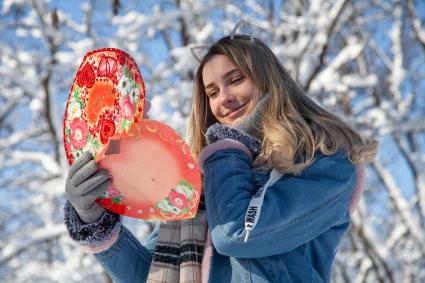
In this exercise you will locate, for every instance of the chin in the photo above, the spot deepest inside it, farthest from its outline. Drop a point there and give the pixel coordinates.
(234, 122)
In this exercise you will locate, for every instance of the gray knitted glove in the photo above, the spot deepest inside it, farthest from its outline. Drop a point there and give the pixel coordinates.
(251, 125)
(84, 185)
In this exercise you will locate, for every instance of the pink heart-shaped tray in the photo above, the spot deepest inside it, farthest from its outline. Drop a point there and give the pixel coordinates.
(155, 175)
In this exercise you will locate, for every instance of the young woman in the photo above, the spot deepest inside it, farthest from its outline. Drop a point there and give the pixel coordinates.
(279, 182)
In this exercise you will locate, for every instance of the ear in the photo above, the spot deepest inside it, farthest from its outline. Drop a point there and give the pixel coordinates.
(358, 190)
(199, 52)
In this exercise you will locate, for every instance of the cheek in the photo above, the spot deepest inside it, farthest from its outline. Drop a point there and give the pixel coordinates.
(213, 107)
(249, 92)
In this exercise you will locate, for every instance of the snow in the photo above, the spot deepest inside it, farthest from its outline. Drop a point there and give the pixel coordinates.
(397, 70)
(355, 81)
(41, 235)
(411, 222)
(20, 32)
(7, 5)
(350, 52)
(420, 31)
(46, 161)
(65, 57)
(204, 33)
(185, 61)
(372, 66)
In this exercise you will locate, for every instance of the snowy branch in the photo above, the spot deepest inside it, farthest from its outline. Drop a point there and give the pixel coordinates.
(418, 30)
(400, 204)
(27, 241)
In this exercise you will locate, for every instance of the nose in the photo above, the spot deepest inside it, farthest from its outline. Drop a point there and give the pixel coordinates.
(226, 98)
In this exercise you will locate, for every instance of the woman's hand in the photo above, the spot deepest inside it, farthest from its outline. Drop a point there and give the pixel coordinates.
(84, 185)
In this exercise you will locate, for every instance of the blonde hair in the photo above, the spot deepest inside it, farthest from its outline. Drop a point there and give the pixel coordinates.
(294, 127)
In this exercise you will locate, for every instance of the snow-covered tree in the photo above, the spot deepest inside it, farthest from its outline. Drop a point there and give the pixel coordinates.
(363, 60)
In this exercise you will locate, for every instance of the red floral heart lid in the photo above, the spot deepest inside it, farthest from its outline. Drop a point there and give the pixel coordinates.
(106, 99)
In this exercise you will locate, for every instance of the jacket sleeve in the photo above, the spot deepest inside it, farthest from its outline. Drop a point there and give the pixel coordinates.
(113, 245)
(127, 260)
(296, 209)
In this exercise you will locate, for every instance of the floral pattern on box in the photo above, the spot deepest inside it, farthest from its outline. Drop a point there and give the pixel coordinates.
(179, 201)
(105, 101)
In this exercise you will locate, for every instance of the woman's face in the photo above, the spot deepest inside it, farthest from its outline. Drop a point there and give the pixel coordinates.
(232, 96)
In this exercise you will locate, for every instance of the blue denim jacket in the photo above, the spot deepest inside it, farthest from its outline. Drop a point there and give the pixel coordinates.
(302, 222)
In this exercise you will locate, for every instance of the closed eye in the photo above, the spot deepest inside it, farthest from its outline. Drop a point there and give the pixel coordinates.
(238, 80)
(212, 94)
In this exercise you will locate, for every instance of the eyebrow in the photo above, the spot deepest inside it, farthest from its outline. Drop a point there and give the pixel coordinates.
(231, 72)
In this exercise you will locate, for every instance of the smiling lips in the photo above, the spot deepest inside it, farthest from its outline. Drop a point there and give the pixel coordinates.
(235, 111)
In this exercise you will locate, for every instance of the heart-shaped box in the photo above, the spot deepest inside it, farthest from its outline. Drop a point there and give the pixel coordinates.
(155, 175)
